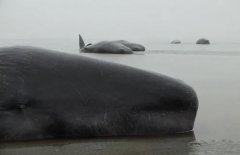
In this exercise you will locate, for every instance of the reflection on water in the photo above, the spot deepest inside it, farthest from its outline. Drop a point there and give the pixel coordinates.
(177, 144)
(180, 144)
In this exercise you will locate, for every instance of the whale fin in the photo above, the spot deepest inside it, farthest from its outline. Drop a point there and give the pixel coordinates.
(81, 42)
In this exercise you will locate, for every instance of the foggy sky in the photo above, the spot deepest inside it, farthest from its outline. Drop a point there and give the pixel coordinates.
(135, 20)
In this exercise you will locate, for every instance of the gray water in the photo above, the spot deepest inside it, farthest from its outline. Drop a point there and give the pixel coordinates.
(213, 71)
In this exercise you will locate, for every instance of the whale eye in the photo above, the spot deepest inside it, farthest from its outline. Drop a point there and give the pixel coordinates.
(22, 106)
(13, 107)
(16, 105)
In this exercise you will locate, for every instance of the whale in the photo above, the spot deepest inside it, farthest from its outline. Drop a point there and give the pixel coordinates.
(114, 47)
(46, 94)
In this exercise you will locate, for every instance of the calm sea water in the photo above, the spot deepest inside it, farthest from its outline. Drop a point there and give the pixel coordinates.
(212, 70)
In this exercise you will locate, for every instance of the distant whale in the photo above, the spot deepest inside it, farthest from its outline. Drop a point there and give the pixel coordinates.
(117, 47)
(46, 94)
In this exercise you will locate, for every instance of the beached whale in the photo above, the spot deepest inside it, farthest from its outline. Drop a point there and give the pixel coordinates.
(117, 47)
(203, 41)
(47, 94)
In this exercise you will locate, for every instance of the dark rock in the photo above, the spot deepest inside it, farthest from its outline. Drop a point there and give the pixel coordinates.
(203, 41)
(176, 42)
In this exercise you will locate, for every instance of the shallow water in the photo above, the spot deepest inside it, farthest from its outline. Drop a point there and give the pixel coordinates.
(213, 71)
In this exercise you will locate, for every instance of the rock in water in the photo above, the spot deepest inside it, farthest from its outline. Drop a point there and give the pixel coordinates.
(203, 41)
(176, 42)
(47, 94)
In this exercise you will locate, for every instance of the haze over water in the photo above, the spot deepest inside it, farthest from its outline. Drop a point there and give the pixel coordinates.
(212, 70)
(149, 22)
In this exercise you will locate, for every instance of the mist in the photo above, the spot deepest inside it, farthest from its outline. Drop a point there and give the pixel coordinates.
(134, 20)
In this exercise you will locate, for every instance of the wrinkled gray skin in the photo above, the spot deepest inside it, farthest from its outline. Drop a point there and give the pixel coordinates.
(117, 47)
(203, 41)
(46, 94)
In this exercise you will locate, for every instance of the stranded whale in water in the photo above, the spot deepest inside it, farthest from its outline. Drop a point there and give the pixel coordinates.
(117, 47)
(47, 94)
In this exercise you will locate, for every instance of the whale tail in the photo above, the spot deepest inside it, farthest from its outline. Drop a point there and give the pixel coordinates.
(81, 42)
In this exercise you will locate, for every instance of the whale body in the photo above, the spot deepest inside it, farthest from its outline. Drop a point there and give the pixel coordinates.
(114, 47)
(47, 94)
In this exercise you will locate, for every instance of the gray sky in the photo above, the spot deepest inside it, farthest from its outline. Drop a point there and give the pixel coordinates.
(134, 20)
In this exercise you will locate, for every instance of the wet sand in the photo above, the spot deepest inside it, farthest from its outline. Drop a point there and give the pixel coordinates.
(177, 144)
(215, 77)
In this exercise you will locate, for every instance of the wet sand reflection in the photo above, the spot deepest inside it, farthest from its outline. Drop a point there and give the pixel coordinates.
(174, 144)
